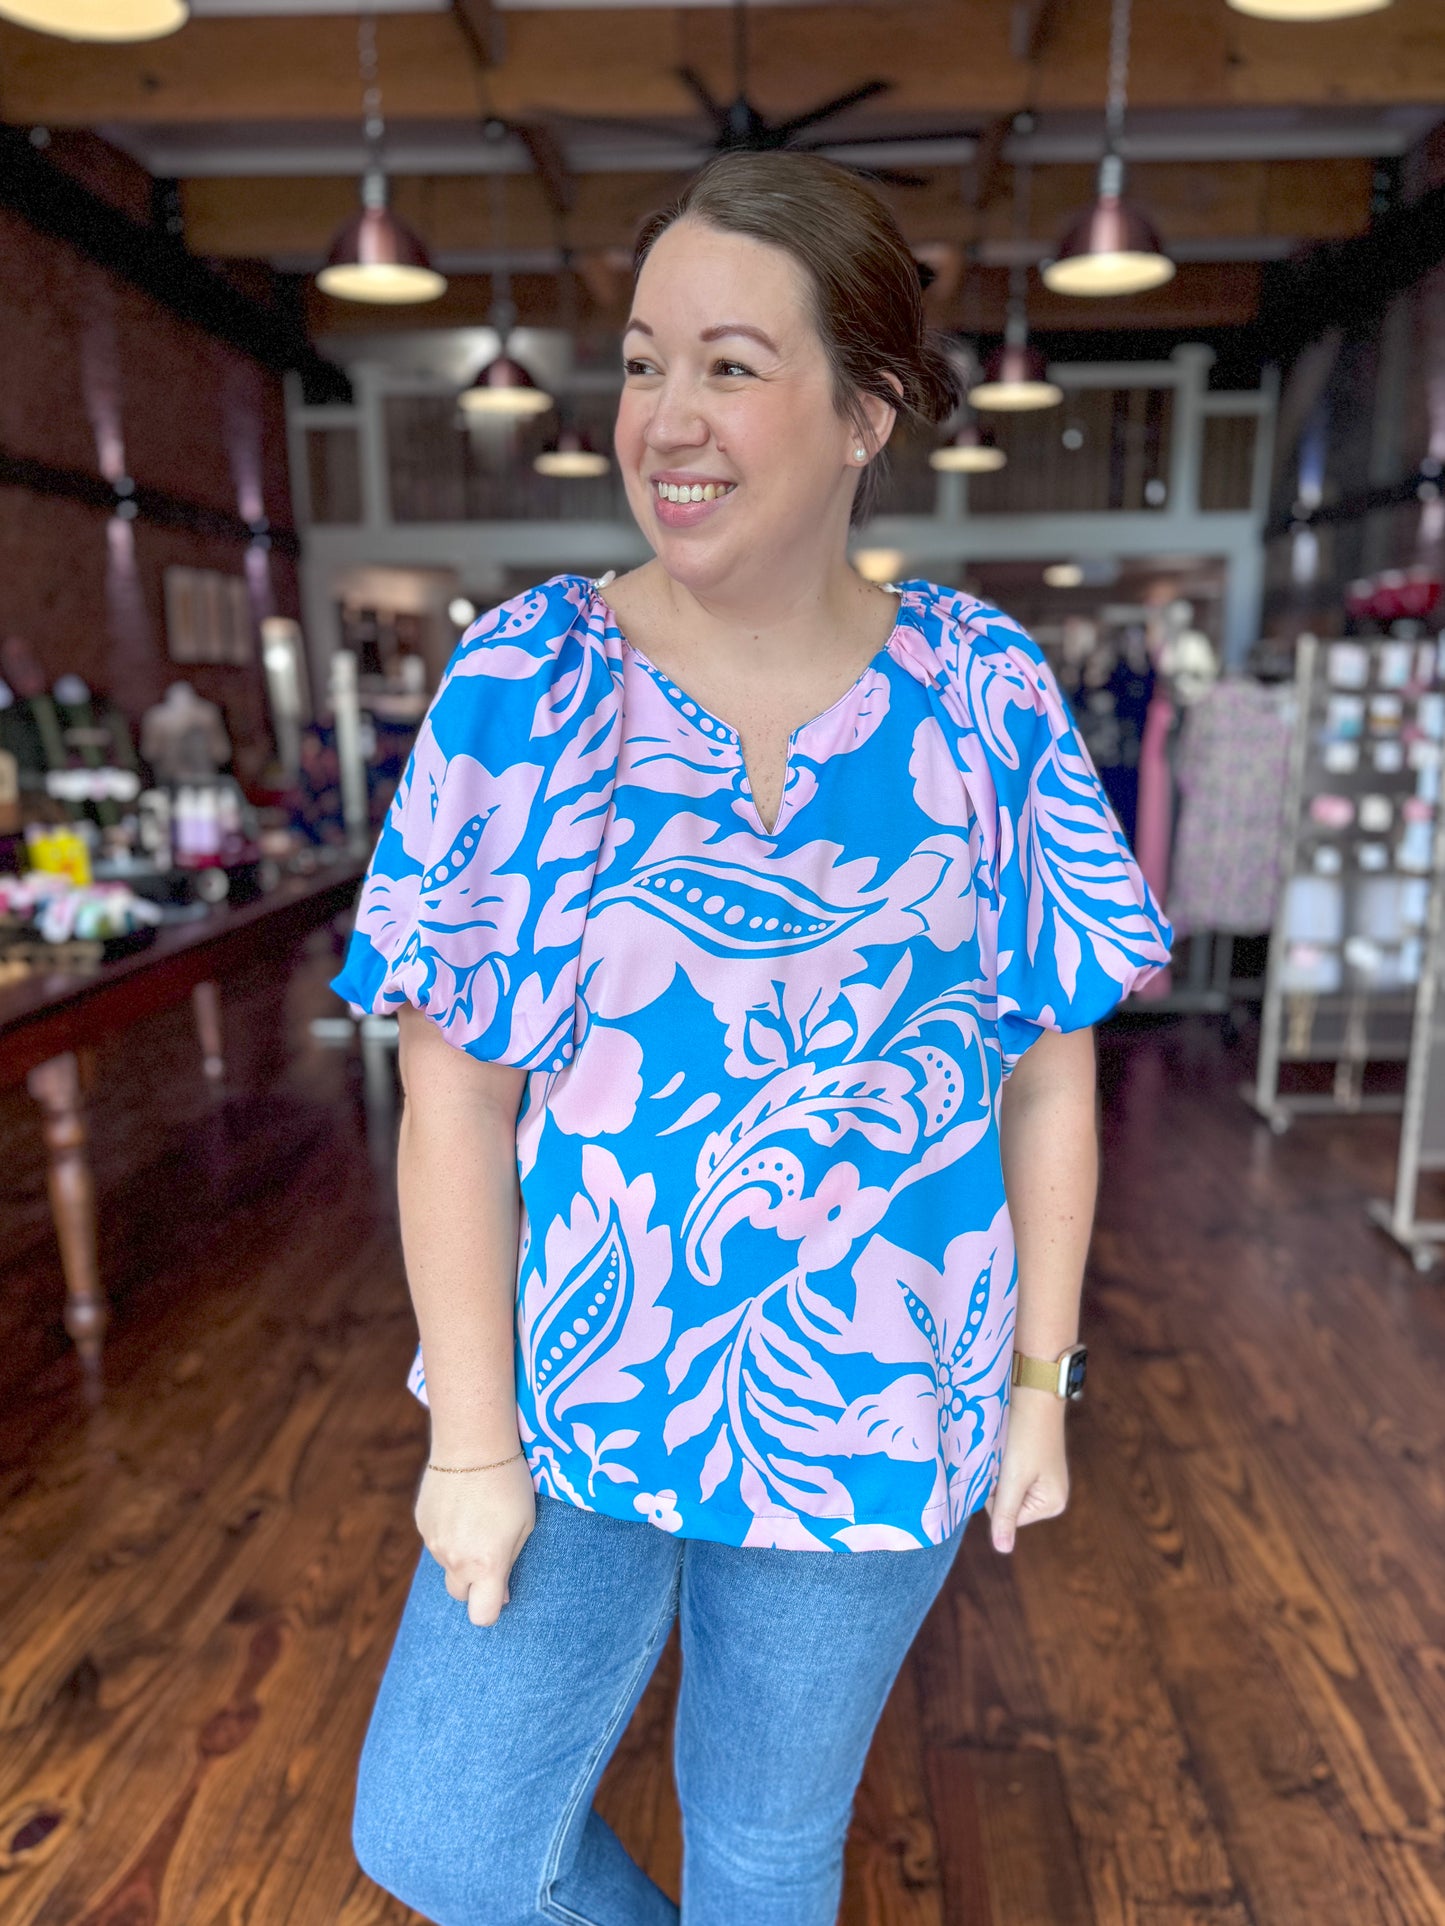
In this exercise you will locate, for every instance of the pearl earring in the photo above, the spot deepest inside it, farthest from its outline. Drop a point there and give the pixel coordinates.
(860, 454)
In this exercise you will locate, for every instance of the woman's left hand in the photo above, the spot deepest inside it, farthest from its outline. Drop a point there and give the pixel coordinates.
(1033, 1480)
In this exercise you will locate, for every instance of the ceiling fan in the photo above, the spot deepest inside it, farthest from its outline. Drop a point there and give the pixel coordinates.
(739, 126)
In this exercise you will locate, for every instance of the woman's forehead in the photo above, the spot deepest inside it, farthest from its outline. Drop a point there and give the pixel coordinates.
(704, 277)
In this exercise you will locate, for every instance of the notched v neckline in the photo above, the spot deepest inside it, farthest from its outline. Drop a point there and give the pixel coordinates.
(725, 730)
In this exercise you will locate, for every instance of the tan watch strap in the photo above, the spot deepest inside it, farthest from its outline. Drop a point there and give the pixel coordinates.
(1039, 1374)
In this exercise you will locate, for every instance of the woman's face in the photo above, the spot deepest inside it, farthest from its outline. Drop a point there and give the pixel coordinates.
(728, 394)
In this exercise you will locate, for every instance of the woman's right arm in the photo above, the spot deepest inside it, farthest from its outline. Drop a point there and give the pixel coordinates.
(460, 1220)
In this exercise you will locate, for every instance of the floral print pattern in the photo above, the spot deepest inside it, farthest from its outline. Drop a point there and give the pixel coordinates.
(767, 1282)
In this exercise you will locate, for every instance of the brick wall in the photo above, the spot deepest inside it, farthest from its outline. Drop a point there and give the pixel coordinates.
(96, 376)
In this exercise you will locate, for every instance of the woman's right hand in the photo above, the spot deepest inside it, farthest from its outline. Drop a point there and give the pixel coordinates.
(474, 1524)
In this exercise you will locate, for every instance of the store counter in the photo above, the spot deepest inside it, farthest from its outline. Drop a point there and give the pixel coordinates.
(49, 1017)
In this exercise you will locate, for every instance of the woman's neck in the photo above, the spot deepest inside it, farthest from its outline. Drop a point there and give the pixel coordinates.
(801, 623)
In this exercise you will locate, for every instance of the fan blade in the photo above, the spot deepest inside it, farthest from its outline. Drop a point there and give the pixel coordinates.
(870, 88)
(544, 151)
(890, 176)
(919, 150)
(698, 88)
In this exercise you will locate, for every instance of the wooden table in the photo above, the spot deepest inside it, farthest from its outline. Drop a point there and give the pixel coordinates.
(49, 1018)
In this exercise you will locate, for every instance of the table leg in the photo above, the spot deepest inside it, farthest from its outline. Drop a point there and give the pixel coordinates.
(206, 1002)
(55, 1086)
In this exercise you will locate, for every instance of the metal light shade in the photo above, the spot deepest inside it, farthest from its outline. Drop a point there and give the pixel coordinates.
(969, 453)
(114, 20)
(504, 389)
(1308, 9)
(571, 458)
(1111, 248)
(1015, 380)
(377, 258)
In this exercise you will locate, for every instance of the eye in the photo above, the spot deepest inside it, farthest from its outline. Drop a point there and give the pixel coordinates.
(731, 368)
(635, 366)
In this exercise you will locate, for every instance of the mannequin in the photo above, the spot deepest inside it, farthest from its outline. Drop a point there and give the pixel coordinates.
(29, 725)
(1186, 657)
(183, 737)
(61, 728)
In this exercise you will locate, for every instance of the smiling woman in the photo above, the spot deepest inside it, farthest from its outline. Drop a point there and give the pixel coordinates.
(747, 921)
(860, 283)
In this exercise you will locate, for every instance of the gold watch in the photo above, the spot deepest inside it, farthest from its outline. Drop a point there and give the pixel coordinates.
(1063, 1375)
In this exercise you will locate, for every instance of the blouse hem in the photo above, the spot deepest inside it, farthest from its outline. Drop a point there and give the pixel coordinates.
(626, 1513)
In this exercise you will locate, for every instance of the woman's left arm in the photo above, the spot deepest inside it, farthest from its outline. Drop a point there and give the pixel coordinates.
(1048, 1136)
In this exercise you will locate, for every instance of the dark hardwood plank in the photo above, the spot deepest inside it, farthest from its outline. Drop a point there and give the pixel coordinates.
(1211, 1694)
(1013, 1859)
(893, 1872)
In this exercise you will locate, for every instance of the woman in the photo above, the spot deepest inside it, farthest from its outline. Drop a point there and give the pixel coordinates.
(745, 923)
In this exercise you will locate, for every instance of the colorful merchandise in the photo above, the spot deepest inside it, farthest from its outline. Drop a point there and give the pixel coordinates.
(1233, 775)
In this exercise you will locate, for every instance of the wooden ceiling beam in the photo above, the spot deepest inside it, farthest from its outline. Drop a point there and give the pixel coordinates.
(950, 58)
(1241, 201)
(1198, 298)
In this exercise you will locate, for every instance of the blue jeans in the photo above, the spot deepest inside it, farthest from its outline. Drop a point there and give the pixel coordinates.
(486, 1743)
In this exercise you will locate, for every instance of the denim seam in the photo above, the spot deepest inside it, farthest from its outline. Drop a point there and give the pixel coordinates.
(553, 1909)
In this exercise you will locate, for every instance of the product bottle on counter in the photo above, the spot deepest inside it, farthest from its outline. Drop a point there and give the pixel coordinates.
(185, 827)
(208, 826)
(154, 809)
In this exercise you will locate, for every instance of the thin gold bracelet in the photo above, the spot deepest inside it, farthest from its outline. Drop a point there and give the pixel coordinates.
(494, 1466)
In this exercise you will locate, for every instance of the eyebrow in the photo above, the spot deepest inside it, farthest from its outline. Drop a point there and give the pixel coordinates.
(719, 333)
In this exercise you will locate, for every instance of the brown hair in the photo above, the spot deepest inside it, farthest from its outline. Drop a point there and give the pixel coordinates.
(867, 293)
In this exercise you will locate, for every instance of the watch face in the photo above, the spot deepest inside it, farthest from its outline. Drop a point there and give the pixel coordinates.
(1074, 1382)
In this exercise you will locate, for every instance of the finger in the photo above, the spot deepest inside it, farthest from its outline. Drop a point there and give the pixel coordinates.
(1004, 1522)
(484, 1605)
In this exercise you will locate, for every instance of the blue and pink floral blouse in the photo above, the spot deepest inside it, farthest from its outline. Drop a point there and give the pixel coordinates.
(766, 1282)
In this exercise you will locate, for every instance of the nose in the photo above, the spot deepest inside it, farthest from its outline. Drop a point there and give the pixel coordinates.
(676, 420)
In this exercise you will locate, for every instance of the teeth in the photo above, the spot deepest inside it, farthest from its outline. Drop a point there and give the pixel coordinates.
(692, 492)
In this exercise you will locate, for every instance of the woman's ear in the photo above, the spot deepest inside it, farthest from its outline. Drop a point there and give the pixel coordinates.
(880, 415)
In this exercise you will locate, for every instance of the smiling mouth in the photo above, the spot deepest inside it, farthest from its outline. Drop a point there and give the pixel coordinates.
(695, 492)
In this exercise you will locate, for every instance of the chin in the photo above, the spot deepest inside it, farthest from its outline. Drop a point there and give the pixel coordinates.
(706, 559)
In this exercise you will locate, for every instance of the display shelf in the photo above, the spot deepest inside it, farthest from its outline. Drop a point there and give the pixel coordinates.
(1422, 1125)
(1361, 849)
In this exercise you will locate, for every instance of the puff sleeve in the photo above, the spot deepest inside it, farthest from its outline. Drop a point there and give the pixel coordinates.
(1069, 925)
(473, 906)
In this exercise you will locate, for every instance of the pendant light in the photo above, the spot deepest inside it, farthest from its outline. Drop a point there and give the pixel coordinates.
(1308, 9)
(376, 257)
(1016, 379)
(113, 20)
(571, 457)
(971, 452)
(502, 389)
(1110, 248)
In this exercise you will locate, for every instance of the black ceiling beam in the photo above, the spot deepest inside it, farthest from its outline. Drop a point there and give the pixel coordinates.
(136, 501)
(158, 263)
(1348, 284)
(1422, 486)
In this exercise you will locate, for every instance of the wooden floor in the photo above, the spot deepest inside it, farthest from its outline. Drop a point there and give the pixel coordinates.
(1211, 1694)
